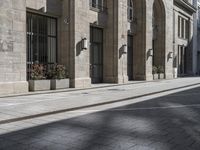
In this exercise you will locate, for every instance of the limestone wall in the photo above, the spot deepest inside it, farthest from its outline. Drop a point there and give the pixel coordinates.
(13, 46)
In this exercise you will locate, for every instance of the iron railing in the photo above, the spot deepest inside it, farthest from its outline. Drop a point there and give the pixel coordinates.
(41, 41)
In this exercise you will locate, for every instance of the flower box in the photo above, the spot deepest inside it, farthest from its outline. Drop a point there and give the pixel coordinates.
(39, 85)
(59, 84)
(155, 76)
(161, 76)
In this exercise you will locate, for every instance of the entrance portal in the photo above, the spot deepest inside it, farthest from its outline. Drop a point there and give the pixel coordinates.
(130, 57)
(158, 34)
(96, 55)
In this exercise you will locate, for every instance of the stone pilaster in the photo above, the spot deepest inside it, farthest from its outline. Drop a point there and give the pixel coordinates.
(13, 47)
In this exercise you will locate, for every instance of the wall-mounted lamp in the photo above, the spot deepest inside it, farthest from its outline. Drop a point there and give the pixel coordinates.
(124, 49)
(150, 52)
(84, 43)
(170, 55)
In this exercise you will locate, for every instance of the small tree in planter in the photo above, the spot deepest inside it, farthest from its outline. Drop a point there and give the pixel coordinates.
(38, 80)
(59, 78)
(161, 72)
(155, 72)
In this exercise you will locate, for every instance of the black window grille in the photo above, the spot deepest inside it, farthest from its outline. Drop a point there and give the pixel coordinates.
(41, 40)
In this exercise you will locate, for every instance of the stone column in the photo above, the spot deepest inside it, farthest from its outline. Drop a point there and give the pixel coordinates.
(149, 39)
(122, 41)
(143, 40)
(79, 58)
(169, 38)
(110, 62)
(115, 60)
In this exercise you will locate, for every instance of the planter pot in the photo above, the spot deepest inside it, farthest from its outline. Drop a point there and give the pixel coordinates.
(161, 76)
(39, 85)
(155, 76)
(59, 84)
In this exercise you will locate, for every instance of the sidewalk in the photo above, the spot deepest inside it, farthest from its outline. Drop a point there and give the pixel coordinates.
(93, 86)
(24, 108)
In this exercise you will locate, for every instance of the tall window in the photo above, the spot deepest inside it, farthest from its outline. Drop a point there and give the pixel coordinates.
(183, 27)
(41, 39)
(130, 10)
(97, 4)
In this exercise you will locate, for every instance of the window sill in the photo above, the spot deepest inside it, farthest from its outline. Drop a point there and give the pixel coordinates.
(98, 10)
(95, 9)
(183, 38)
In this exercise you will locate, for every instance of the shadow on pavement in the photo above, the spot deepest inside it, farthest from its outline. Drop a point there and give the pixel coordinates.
(171, 122)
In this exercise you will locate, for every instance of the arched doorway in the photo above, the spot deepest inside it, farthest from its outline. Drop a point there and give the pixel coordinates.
(158, 39)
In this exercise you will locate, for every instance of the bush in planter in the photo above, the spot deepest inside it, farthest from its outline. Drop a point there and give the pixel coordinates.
(154, 70)
(57, 72)
(58, 75)
(161, 69)
(37, 72)
(37, 82)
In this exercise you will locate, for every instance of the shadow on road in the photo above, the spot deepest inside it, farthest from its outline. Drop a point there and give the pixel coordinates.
(164, 123)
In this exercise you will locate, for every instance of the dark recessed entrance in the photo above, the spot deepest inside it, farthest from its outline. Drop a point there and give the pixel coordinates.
(181, 60)
(130, 57)
(96, 54)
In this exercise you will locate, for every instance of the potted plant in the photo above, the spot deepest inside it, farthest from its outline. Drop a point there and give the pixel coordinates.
(59, 79)
(155, 72)
(38, 80)
(161, 72)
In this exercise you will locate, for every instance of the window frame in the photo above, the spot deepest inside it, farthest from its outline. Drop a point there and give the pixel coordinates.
(130, 10)
(97, 5)
(36, 33)
(183, 27)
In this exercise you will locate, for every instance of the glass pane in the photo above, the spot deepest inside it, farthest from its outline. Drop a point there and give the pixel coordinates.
(34, 48)
(41, 38)
(51, 50)
(100, 3)
(34, 24)
(52, 27)
(94, 3)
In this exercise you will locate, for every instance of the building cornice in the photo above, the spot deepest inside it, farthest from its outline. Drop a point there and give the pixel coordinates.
(185, 4)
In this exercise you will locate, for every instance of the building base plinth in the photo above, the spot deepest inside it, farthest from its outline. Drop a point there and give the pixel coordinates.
(80, 83)
(13, 87)
(169, 76)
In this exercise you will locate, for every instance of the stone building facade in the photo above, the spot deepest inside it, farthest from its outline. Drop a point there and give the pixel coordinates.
(99, 41)
(183, 37)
